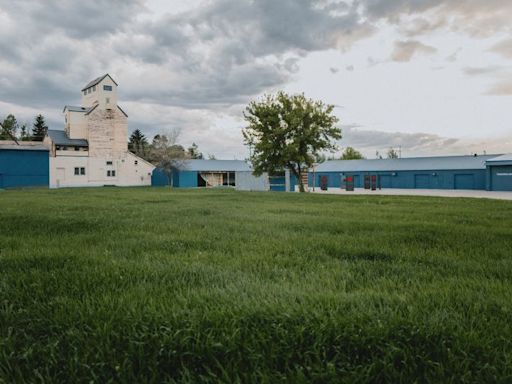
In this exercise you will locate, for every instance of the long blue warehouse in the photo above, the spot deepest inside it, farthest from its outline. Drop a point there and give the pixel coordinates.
(491, 172)
(23, 165)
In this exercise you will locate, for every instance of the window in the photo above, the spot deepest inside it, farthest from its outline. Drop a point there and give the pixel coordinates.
(107, 100)
(109, 163)
(77, 148)
(113, 173)
(108, 173)
(85, 92)
(107, 87)
(79, 171)
(136, 162)
(94, 88)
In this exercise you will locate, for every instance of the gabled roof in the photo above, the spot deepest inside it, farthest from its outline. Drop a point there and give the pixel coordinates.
(98, 80)
(73, 108)
(91, 109)
(217, 166)
(406, 164)
(124, 113)
(60, 138)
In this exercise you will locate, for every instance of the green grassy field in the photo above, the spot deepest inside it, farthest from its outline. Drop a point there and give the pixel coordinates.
(152, 285)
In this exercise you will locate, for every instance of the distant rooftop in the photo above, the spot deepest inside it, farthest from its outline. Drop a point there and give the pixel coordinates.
(406, 164)
(23, 145)
(217, 166)
(73, 108)
(97, 80)
(506, 157)
(60, 138)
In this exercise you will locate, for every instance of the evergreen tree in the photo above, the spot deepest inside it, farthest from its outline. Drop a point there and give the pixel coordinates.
(138, 144)
(40, 129)
(24, 136)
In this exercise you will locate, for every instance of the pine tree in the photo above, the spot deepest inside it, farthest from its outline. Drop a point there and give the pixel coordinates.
(40, 128)
(24, 136)
(138, 144)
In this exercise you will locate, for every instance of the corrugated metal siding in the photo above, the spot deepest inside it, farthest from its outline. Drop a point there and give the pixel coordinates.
(216, 166)
(501, 178)
(432, 179)
(24, 168)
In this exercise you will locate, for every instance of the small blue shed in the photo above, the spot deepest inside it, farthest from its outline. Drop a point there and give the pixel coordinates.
(24, 165)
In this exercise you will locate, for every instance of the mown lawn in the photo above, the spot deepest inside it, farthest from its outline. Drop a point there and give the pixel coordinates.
(153, 285)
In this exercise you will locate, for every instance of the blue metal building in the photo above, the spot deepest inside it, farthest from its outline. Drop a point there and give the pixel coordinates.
(212, 173)
(499, 173)
(489, 172)
(23, 165)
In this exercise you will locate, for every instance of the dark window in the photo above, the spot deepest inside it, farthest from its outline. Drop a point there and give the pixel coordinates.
(107, 87)
(77, 171)
(109, 163)
(85, 92)
(94, 88)
(136, 162)
(82, 171)
(77, 148)
(108, 173)
(113, 173)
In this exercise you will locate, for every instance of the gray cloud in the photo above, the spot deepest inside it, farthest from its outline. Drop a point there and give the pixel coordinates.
(504, 48)
(404, 50)
(369, 141)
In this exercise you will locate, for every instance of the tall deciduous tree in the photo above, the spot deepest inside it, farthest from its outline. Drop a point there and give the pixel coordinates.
(39, 129)
(351, 154)
(138, 144)
(289, 131)
(167, 155)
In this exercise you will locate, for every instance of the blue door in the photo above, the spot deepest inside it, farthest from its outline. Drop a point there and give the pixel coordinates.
(385, 181)
(464, 181)
(422, 181)
(501, 178)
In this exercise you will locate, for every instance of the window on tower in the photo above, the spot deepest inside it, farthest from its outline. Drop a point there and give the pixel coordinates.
(107, 87)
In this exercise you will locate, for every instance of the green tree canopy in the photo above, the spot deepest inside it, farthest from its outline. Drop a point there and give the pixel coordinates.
(351, 154)
(193, 152)
(9, 128)
(392, 154)
(39, 129)
(289, 132)
(138, 144)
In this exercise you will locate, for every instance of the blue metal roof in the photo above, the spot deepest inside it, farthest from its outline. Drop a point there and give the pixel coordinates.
(507, 158)
(217, 166)
(406, 164)
(22, 147)
(60, 138)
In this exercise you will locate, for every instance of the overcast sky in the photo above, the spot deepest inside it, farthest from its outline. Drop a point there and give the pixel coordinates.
(431, 76)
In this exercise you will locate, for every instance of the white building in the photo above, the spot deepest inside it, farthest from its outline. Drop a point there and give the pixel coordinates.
(93, 148)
